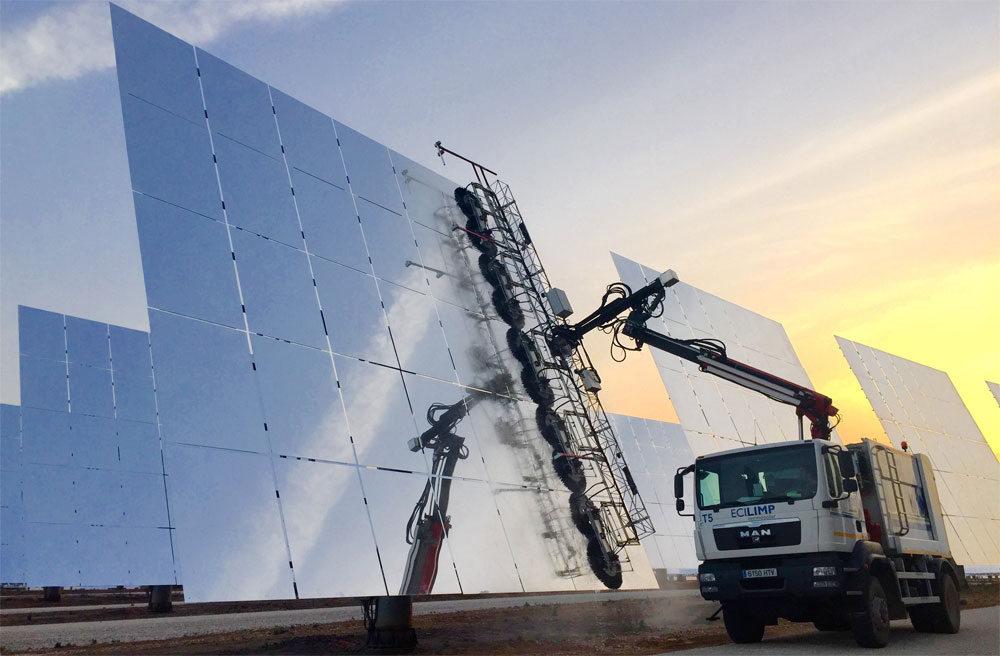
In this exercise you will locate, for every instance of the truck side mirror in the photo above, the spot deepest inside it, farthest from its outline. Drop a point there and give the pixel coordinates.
(679, 488)
(845, 459)
(850, 485)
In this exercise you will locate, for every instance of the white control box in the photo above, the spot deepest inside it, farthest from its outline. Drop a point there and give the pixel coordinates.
(559, 303)
(591, 381)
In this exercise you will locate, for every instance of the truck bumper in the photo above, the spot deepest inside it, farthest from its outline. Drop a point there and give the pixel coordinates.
(794, 578)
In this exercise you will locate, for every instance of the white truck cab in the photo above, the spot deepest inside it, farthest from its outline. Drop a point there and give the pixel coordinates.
(778, 499)
(847, 538)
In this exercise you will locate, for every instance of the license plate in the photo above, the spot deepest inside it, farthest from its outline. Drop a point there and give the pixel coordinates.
(760, 573)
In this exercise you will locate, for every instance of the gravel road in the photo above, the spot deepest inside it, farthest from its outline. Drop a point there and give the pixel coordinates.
(17, 638)
(980, 634)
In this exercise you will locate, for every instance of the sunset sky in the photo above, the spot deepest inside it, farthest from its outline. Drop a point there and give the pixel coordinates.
(834, 166)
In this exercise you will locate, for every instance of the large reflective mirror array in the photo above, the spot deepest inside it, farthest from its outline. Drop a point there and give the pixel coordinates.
(312, 312)
(11, 503)
(655, 451)
(920, 405)
(84, 499)
(717, 415)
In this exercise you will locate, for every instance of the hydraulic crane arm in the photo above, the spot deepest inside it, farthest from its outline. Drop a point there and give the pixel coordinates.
(709, 355)
(429, 523)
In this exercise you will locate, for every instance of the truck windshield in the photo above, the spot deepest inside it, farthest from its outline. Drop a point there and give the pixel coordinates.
(784, 473)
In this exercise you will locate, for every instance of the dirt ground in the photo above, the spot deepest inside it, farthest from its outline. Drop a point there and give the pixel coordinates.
(77, 601)
(609, 627)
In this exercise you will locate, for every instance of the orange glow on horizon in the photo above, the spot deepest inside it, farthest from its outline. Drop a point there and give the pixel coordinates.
(921, 329)
(883, 231)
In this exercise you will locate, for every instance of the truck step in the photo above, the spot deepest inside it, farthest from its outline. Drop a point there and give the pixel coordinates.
(910, 601)
(928, 576)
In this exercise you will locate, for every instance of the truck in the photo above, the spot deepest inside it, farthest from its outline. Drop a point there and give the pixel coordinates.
(846, 537)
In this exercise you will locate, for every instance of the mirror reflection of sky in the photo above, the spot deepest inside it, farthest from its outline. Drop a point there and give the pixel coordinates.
(919, 405)
(301, 419)
(718, 415)
(821, 146)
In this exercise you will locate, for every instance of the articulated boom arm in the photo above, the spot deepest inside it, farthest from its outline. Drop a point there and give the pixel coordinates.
(709, 355)
(429, 523)
(809, 404)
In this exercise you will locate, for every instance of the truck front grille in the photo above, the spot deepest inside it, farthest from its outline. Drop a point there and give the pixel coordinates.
(773, 534)
(769, 583)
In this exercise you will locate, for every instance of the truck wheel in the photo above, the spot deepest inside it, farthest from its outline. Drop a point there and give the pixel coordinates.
(871, 625)
(741, 625)
(942, 617)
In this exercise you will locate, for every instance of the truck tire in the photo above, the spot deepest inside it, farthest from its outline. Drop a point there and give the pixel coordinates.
(944, 616)
(871, 625)
(741, 625)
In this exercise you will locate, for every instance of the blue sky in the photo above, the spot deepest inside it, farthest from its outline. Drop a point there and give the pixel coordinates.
(831, 165)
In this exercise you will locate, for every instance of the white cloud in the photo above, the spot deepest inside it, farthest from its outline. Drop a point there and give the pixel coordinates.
(71, 40)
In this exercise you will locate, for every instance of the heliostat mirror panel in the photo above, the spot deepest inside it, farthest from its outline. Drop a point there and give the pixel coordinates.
(717, 414)
(919, 405)
(327, 358)
(84, 500)
(655, 451)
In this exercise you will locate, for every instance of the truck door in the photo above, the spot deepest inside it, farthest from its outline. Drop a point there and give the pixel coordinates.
(840, 527)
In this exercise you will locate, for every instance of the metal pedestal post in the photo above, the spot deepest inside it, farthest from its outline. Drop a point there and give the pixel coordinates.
(389, 621)
(159, 599)
(52, 593)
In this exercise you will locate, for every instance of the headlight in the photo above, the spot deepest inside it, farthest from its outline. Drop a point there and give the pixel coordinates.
(707, 577)
(825, 584)
(824, 571)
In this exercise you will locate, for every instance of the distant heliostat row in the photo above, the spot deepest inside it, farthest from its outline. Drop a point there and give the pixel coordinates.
(84, 500)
